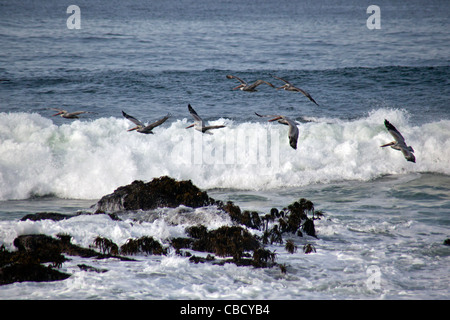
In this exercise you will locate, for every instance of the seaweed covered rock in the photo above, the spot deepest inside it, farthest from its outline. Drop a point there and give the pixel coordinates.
(45, 248)
(143, 244)
(26, 263)
(224, 241)
(294, 219)
(246, 218)
(33, 250)
(160, 192)
(30, 272)
(236, 243)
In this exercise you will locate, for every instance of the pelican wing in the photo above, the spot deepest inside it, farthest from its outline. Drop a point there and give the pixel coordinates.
(238, 79)
(394, 132)
(257, 83)
(194, 114)
(158, 122)
(267, 115)
(306, 94)
(205, 128)
(77, 113)
(291, 87)
(60, 110)
(285, 81)
(132, 119)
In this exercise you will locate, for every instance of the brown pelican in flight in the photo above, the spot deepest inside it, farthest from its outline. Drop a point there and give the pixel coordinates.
(244, 86)
(68, 115)
(293, 130)
(399, 143)
(289, 87)
(198, 123)
(140, 127)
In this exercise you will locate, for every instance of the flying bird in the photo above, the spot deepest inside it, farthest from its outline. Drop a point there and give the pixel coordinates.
(244, 86)
(399, 143)
(68, 115)
(198, 123)
(293, 130)
(289, 87)
(140, 127)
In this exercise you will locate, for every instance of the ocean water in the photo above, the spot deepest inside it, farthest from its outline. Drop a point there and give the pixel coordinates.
(385, 218)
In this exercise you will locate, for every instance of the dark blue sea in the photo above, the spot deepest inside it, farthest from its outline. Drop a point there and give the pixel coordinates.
(386, 218)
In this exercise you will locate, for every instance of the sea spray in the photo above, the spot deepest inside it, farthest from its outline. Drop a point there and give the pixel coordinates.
(87, 159)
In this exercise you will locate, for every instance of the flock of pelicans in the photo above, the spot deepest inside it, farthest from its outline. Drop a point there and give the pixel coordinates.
(398, 143)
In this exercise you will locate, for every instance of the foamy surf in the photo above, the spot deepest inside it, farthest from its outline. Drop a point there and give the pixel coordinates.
(88, 159)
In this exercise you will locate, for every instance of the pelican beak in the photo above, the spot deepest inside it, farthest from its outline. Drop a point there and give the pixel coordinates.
(388, 144)
(190, 126)
(239, 86)
(135, 128)
(275, 119)
(57, 114)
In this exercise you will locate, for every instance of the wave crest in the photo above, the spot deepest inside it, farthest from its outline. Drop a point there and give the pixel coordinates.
(88, 159)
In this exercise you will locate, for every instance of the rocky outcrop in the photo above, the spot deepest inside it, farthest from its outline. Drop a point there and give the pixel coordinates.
(233, 244)
(46, 215)
(26, 264)
(160, 192)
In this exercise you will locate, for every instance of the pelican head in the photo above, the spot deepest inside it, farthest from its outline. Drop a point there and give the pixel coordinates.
(293, 142)
(285, 86)
(278, 118)
(62, 112)
(411, 158)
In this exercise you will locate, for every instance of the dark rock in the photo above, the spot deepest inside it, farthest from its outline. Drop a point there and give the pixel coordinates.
(290, 246)
(181, 243)
(196, 259)
(234, 242)
(45, 248)
(308, 227)
(30, 272)
(197, 232)
(309, 248)
(38, 248)
(106, 246)
(246, 218)
(263, 258)
(224, 241)
(160, 192)
(142, 245)
(46, 215)
(85, 267)
(25, 264)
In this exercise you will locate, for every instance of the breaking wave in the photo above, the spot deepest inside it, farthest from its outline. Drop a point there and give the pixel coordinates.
(88, 159)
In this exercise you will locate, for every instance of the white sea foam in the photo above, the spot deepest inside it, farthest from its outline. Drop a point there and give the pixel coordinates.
(88, 159)
(348, 247)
